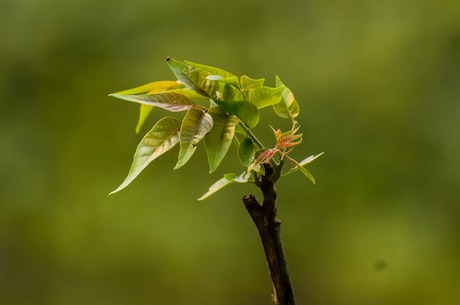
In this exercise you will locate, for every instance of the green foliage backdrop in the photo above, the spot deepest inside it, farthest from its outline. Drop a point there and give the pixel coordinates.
(379, 87)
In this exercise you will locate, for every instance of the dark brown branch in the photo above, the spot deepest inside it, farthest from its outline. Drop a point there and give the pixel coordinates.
(264, 217)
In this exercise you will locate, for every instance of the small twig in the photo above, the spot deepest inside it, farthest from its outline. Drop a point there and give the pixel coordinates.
(252, 136)
(264, 217)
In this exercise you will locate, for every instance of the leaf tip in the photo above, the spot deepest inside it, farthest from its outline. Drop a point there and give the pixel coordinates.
(213, 165)
(179, 164)
(115, 95)
(114, 191)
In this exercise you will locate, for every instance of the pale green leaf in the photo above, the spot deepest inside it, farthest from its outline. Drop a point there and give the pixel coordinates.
(246, 151)
(307, 173)
(300, 166)
(170, 101)
(150, 88)
(154, 87)
(230, 93)
(195, 76)
(195, 125)
(144, 112)
(223, 182)
(265, 96)
(219, 139)
(310, 159)
(182, 71)
(217, 186)
(248, 83)
(210, 70)
(190, 93)
(163, 136)
(288, 107)
(232, 80)
(214, 77)
(244, 110)
(230, 176)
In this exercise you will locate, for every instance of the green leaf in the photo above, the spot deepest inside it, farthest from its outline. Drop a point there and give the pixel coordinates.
(195, 125)
(232, 80)
(230, 93)
(190, 93)
(265, 96)
(240, 130)
(219, 139)
(246, 151)
(307, 174)
(310, 159)
(181, 71)
(210, 70)
(154, 87)
(144, 112)
(244, 110)
(223, 182)
(300, 166)
(150, 88)
(288, 107)
(195, 76)
(248, 83)
(304, 162)
(170, 101)
(228, 88)
(163, 136)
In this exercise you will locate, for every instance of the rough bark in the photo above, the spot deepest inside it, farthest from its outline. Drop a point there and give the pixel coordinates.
(268, 225)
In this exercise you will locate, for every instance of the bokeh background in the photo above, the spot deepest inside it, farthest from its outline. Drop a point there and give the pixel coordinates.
(379, 87)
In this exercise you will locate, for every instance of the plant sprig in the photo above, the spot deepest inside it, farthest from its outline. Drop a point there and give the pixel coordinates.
(231, 113)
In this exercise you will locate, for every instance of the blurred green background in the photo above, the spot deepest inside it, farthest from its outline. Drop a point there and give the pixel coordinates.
(379, 87)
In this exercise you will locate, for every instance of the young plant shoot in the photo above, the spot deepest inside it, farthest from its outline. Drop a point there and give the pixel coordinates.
(221, 109)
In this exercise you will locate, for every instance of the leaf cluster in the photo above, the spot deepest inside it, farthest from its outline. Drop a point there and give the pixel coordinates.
(219, 108)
